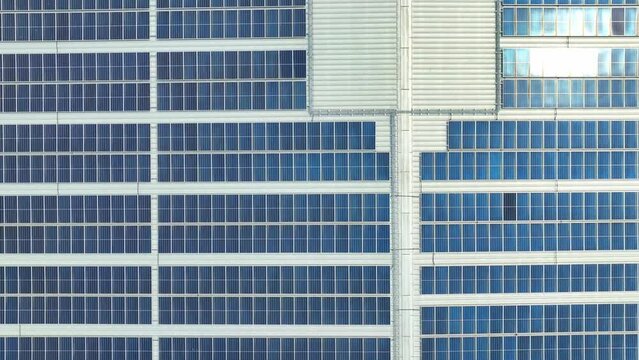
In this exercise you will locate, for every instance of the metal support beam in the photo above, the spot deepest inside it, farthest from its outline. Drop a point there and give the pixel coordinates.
(401, 185)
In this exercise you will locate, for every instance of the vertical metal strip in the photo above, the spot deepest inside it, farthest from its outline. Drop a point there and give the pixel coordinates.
(396, 285)
(153, 19)
(153, 100)
(401, 183)
(153, 83)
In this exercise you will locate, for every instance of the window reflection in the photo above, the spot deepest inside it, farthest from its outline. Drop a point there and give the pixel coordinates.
(569, 77)
(569, 21)
(587, 62)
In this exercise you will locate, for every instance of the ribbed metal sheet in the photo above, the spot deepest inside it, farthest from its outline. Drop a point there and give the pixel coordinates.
(382, 134)
(353, 54)
(429, 133)
(453, 54)
(416, 190)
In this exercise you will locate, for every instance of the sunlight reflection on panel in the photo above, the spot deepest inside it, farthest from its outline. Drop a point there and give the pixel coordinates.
(572, 62)
(563, 62)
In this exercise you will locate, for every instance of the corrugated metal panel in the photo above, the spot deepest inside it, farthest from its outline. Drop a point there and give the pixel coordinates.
(353, 54)
(429, 133)
(453, 54)
(415, 203)
(382, 134)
